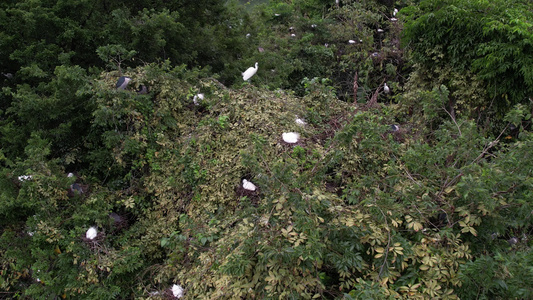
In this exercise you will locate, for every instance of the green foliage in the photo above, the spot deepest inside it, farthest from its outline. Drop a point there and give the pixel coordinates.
(434, 207)
(491, 38)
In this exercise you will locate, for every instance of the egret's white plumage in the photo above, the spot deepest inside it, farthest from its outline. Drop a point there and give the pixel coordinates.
(300, 121)
(177, 291)
(91, 233)
(395, 12)
(380, 30)
(250, 72)
(290, 137)
(351, 42)
(70, 175)
(25, 177)
(386, 88)
(247, 185)
(196, 98)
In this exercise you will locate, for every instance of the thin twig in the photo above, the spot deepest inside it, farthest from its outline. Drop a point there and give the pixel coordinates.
(490, 145)
(453, 119)
(355, 87)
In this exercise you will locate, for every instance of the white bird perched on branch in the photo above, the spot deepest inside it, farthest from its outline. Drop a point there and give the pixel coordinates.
(247, 185)
(386, 88)
(196, 98)
(250, 72)
(25, 177)
(290, 137)
(91, 233)
(177, 291)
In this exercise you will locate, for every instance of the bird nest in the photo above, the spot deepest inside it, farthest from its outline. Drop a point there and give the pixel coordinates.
(252, 196)
(95, 243)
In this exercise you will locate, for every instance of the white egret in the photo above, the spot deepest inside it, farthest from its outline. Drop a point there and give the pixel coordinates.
(250, 72)
(25, 177)
(290, 137)
(122, 82)
(177, 291)
(313, 26)
(395, 12)
(248, 35)
(91, 233)
(300, 121)
(394, 19)
(196, 98)
(247, 185)
(386, 88)
(380, 30)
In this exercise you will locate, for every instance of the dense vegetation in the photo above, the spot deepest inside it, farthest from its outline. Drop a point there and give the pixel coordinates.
(437, 207)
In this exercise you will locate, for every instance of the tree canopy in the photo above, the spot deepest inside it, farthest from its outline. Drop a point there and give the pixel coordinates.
(181, 185)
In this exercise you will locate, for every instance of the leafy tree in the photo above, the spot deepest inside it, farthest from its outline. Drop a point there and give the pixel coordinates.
(491, 39)
(356, 208)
